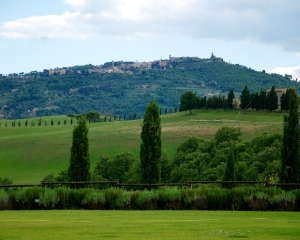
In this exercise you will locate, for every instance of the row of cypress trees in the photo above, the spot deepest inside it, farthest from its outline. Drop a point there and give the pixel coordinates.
(259, 101)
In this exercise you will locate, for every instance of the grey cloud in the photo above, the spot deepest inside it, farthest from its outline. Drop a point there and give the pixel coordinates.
(268, 22)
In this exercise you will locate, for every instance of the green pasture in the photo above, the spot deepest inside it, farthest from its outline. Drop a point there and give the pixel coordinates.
(29, 153)
(148, 225)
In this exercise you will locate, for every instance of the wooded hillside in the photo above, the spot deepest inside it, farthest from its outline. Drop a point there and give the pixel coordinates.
(81, 90)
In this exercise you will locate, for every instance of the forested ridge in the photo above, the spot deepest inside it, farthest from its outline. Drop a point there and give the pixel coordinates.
(41, 94)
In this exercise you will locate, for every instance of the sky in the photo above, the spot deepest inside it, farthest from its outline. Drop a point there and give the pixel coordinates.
(43, 34)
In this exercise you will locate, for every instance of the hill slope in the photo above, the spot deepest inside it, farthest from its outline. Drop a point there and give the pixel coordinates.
(117, 88)
(28, 154)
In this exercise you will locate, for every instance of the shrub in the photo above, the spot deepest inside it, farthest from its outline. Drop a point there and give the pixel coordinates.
(297, 194)
(170, 198)
(194, 199)
(146, 200)
(24, 198)
(238, 193)
(257, 201)
(111, 194)
(94, 200)
(48, 199)
(4, 200)
(218, 198)
(71, 198)
(283, 201)
(123, 201)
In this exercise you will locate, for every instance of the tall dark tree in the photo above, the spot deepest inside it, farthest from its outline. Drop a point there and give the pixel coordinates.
(256, 101)
(272, 100)
(230, 98)
(290, 147)
(283, 102)
(150, 150)
(229, 174)
(262, 100)
(245, 98)
(79, 168)
(188, 101)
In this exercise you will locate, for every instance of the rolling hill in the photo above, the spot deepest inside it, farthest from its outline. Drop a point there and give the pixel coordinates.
(125, 88)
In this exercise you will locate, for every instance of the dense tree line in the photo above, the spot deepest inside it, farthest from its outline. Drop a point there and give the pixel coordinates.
(258, 101)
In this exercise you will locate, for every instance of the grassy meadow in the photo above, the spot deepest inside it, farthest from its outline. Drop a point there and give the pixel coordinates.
(29, 153)
(72, 224)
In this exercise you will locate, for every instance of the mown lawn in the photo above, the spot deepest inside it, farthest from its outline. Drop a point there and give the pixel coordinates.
(78, 224)
(28, 154)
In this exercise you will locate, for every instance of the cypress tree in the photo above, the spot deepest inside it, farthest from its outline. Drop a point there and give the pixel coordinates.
(262, 100)
(230, 98)
(283, 102)
(256, 101)
(287, 102)
(290, 147)
(79, 168)
(229, 174)
(272, 100)
(150, 150)
(245, 98)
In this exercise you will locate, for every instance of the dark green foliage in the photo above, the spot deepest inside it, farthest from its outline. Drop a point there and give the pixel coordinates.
(202, 159)
(5, 181)
(226, 134)
(79, 168)
(123, 166)
(290, 172)
(188, 101)
(150, 150)
(119, 166)
(230, 98)
(272, 100)
(101, 169)
(284, 101)
(229, 174)
(245, 98)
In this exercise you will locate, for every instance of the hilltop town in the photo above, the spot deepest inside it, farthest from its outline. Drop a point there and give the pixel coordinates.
(116, 67)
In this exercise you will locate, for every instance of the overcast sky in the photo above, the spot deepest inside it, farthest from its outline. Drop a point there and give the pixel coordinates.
(43, 34)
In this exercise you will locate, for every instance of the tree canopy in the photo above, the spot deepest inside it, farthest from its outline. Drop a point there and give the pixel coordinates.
(188, 101)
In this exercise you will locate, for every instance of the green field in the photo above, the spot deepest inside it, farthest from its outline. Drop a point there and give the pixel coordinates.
(148, 225)
(28, 154)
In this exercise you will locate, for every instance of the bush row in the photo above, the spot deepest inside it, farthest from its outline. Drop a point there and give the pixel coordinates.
(207, 197)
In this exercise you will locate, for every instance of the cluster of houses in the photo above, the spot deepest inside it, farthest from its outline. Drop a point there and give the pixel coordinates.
(118, 67)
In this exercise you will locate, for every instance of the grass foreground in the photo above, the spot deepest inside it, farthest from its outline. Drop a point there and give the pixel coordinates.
(74, 224)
